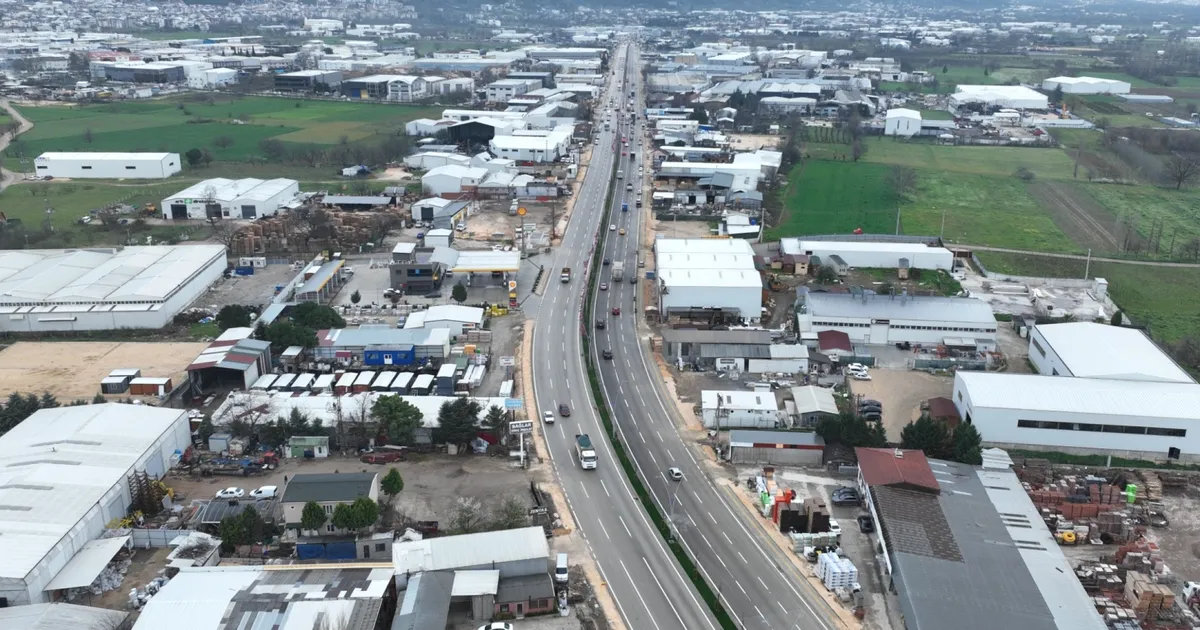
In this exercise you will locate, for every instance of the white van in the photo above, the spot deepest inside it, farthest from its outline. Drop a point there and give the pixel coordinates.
(561, 569)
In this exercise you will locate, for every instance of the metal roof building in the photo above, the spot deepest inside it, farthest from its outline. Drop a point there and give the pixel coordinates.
(1091, 350)
(247, 198)
(707, 274)
(63, 477)
(1138, 419)
(965, 538)
(58, 616)
(46, 290)
(887, 319)
(512, 552)
(885, 255)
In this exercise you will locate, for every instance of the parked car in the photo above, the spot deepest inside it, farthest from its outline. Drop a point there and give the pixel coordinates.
(265, 492)
(564, 410)
(870, 409)
(857, 367)
(867, 402)
(497, 625)
(866, 524)
(846, 496)
(675, 474)
(834, 527)
(860, 376)
(872, 416)
(230, 493)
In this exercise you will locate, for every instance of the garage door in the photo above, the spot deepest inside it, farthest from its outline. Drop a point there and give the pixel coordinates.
(178, 211)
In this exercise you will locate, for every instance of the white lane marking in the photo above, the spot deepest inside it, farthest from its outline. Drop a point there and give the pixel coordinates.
(639, 594)
(760, 581)
(760, 612)
(727, 538)
(722, 562)
(605, 488)
(689, 515)
(652, 456)
(656, 432)
(585, 492)
(664, 592)
(742, 557)
(642, 436)
(603, 528)
(714, 521)
(740, 588)
(706, 540)
(785, 612)
(619, 517)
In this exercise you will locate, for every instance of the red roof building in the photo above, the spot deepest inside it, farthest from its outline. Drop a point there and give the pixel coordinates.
(895, 467)
(831, 341)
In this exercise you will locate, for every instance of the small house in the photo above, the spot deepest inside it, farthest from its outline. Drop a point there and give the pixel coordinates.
(839, 265)
(308, 446)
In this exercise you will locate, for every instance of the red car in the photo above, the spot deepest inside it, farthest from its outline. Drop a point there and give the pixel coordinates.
(616, 310)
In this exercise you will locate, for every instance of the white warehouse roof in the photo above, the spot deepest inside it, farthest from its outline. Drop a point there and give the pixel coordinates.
(226, 190)
(702, 246)
(1017, 96)
(1088, 396)
(98, 155)
(59, 464)
(132, 274)
(470, 550)
(1092, 350)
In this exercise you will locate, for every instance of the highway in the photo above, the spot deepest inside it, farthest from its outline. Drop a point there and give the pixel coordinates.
(735, 556)
(650, 590)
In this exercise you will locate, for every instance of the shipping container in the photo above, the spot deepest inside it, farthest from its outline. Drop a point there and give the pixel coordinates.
(422, 385)
(389, 355)
(303, 382)
(264, 382)
(383, 382)
(345, 383)
(363, 382)
(283, 383)
(323, 383)
(114, 384)
(150, 386)
(400, 385)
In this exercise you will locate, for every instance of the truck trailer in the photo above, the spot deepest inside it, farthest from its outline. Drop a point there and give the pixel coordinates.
(585, 452)
(566, 274)
(618, 270)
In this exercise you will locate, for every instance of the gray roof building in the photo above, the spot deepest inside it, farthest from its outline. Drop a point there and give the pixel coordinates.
(328, 487)
(524, 588)
(426, 601)
(909, 308)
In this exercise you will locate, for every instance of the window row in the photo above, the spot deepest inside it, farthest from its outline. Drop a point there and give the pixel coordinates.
(1101, 428)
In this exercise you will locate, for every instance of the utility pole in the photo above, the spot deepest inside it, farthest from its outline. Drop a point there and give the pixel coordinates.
(897, 220)
(942, 232)
(1088, 266)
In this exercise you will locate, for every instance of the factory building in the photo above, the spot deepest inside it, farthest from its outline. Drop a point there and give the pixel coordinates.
(387, 87)
(64, 474)
(1086, 85)
(888, 319)
(993, 96)
(1091, 350)
(875, 255)
(108, 165)
(707, 275)
(247, 198)
(1128, 418)
(308, 81)
(425, 345)
(44, 290)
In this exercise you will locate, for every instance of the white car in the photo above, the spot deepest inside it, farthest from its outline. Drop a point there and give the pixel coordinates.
(265, 492)
(834, 527)
(497, 625)
(548, 417)
(612, 226)
(860, 376)
(231, 493)
(856, 367)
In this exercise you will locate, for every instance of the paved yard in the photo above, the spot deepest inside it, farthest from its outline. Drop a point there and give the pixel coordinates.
(901, 392)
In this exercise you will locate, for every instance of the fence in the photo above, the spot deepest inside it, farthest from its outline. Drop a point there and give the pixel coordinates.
(142, 538)
(948, 364)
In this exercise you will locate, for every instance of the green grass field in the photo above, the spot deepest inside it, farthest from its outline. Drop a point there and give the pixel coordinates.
(164, 124)
(825, 197)
(1177, 210)
(978, 160)
(1165, 299)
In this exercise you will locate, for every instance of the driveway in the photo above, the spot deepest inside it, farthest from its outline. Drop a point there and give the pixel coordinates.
(901, 392)
(7, 177)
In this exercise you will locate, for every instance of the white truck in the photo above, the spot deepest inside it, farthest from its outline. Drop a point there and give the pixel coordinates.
(585, 452)
(618, 270)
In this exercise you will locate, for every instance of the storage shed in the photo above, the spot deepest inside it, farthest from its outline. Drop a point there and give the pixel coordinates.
(780, 448)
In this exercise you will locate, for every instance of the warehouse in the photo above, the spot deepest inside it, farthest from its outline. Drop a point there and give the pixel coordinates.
(308, 81)
(739, 409)
(63, 476)
(1134, 419)
(955, 538)
(50, 290)
(108, 165)
(1086, 85)
(429, 345)
(702, 274)
(777, 448)
(889, 319)
(529, 147)
(875, 255)
(247, 198)
(1091, 350)
(453, 317)
(513, 552)
(994, 96)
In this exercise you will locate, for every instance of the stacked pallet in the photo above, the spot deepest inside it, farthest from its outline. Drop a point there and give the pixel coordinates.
(1141, 556)
(836, 572)
(1153, 485)
(1147, 598)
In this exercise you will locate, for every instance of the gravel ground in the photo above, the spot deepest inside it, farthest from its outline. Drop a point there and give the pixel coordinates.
(901, 392)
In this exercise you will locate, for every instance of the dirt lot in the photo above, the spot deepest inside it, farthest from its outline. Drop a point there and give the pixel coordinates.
(901, 392)
(492, 217)
(73, 369)
(1077, 214)
(753, 142)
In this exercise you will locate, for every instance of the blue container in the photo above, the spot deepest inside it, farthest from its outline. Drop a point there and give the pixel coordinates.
(244, 271)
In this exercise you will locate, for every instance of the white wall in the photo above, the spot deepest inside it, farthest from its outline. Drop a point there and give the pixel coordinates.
(862, 331)
(99, 167)
(741, 418)
(747, 300)
(901, 126)
(1043, 357)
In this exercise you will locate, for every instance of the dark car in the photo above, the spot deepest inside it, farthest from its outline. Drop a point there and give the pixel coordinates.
(867, 402)
(607, 353)
(869, 409)
(564, 410)
(846, 496)
(434, 295)
(600, 324)
(606, 262)
(872, 416)
(866, 524)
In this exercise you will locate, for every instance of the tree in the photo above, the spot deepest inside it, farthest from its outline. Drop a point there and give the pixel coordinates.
(254, 528)
(510, 514)
(233, 316)
(467, 517)
(365, 511)
(494, 420)
(399, 418)
(458, 421)
(344, 517)
(928, 435)
(87, 135)
(1117, 318)
(902, 180)
(1181, 169)
(231, 533)
(699, 114)
(316, 316)
(968, 445)
(206, 429)
(283, 335)
(222, 142)
(272, 149)
(1056, 97)
(392, 484)
(194, 157)
(355, 297)
(459, 293)
(945, 69)
(858, 149)
(826, 274)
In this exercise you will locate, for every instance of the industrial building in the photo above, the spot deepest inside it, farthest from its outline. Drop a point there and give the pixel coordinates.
(505, 89)
(1129, 418)
(958, 322)
(739, 409)
(99, 165)
(535, 147)
(308, 81)
(777, 448)
(387, 87)
(453, 317)
(219, 197)
(328, 490)
(1091, 350)
(702, 274)
(63, 475)
(999, 96)
(46, 290)
(512, 552)
(871, 254)
(810, 404)
(210, 598)
(426, 345)
(439, 212)
(958, 538)
(1086, 85)
(232, 360)
(144, 72)
(902, 122)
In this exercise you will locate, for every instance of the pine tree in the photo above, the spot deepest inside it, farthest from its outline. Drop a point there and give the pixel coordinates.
(968, 445)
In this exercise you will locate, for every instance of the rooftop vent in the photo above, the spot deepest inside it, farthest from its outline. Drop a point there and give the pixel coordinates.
(899, 454)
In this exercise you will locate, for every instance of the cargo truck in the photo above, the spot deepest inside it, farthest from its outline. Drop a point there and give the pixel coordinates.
(585, 452)
(566, 274)
(618, 270)
(624, 206)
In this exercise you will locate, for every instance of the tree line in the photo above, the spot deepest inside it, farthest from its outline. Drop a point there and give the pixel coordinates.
(18, 407)
(934, 438)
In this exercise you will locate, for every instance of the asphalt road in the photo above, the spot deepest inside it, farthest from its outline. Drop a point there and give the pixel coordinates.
(759, 589)
(650, 590)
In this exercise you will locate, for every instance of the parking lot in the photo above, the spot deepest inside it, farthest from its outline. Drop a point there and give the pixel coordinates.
(901, 392)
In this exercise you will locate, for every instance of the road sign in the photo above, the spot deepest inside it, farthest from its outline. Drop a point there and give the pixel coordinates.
(508, 361)
(512, 285)
(513, 403)
(520, 426)
(521, 211)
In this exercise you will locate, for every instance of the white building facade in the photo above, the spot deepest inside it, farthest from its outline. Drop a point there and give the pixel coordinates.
(864, 254)
(247, 198)
(85, 165)
(707, 274)
(902, 122)
(889, 319)
(739, 409)
(1086, 85)
(1091, 350)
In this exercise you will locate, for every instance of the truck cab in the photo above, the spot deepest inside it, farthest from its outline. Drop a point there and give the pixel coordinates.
(585, 451)
(566, 274)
